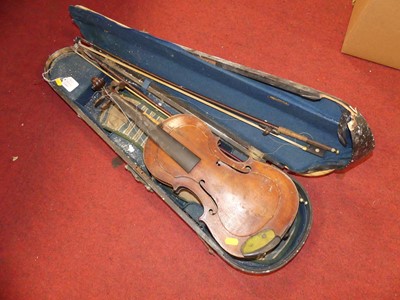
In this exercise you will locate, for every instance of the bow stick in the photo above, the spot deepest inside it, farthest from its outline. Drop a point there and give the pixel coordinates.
(263, 125)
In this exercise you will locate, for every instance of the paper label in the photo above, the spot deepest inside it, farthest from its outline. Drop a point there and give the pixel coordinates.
(69, 83)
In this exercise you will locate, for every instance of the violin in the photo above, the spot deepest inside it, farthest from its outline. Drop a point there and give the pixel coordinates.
(248, 205)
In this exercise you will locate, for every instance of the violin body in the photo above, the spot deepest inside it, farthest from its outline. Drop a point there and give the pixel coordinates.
(248, 206)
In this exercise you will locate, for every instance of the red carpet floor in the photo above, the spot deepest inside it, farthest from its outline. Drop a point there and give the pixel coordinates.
(72, 226)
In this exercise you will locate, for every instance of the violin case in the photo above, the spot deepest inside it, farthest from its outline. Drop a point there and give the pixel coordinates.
(322, 117)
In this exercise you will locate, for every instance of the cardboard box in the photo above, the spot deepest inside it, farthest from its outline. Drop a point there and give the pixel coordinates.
(374, 32)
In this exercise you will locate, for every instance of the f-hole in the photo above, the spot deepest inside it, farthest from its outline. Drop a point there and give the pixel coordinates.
(202, 184)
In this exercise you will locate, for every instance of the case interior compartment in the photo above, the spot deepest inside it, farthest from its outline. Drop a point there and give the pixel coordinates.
(65, 63)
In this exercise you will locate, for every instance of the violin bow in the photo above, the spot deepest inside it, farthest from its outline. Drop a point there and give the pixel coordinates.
(99, 83)
(266, 127)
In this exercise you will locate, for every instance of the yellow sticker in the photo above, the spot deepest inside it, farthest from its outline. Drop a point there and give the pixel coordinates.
(258, 241)
(231, 241)
(58, 81)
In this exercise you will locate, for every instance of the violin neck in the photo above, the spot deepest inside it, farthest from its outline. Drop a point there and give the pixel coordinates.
(185, 158)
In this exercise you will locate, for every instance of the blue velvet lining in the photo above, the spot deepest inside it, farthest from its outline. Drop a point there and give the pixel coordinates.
(316, 119)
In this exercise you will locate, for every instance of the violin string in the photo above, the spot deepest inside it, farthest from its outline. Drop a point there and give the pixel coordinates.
(280, 146)
(45, 76)
(277, 149)
(119, 107)
(307, 134)
(134, 90)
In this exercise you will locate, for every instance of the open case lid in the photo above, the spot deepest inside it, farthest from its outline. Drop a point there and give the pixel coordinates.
(314, 114)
